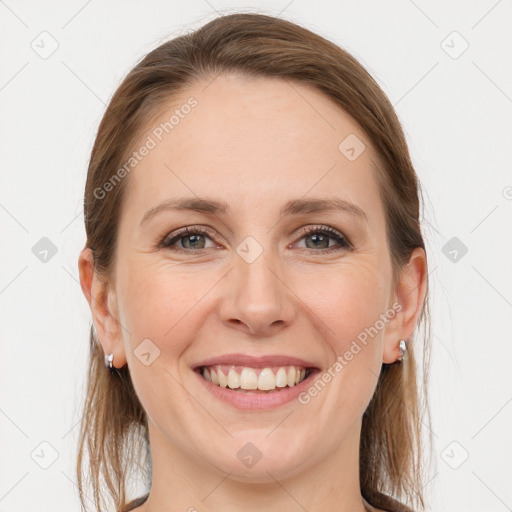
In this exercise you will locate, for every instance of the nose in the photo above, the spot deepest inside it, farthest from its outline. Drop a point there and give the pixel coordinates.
(257, 300)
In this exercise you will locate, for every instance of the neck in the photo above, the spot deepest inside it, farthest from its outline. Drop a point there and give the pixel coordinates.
(182, 481)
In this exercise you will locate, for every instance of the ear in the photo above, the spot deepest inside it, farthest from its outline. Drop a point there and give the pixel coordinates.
(103, 304)
(410, 294)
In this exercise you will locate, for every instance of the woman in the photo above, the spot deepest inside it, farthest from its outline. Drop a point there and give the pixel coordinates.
(255, 270)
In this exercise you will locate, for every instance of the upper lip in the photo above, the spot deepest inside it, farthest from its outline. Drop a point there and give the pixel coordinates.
(255, 362)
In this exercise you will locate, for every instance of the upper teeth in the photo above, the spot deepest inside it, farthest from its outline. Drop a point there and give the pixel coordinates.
(248, 378)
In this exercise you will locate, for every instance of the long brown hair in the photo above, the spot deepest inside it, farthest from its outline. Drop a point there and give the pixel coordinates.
(114, 424)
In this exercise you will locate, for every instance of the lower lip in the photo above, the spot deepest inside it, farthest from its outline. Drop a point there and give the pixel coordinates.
(257, 401)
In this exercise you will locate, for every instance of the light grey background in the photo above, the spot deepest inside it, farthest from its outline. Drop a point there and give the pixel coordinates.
(455, 106)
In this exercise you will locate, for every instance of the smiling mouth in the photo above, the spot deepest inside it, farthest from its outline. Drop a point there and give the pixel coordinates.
(245, 379)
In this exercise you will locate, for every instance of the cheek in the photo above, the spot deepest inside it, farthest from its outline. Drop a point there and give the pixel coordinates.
(156, 304)
(347, 312)
(349, 302)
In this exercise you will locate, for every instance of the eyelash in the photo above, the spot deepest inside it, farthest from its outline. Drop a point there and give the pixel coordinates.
(344, 243)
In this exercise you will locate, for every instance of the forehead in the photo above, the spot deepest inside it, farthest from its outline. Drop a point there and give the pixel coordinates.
(265, 139)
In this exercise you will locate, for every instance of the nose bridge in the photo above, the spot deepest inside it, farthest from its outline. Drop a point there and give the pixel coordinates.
(260, 299)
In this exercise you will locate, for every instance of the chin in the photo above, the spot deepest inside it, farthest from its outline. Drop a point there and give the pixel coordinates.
(253, 463)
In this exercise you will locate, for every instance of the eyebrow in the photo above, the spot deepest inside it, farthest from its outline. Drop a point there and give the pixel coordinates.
(292, 207)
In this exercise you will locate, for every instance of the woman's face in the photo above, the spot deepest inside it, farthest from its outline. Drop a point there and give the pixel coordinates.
(254, 284)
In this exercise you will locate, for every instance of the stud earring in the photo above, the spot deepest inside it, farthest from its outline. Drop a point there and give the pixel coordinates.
(402, 345)
(108, 361)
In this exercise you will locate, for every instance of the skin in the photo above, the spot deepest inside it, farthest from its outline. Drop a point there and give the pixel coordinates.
(255, 145)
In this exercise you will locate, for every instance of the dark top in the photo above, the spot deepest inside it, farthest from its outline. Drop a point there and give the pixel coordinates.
(135, 503)
(376, 499)
(383, 501)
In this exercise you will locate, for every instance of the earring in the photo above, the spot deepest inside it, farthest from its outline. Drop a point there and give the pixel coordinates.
(108, 360)
(402, 345)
